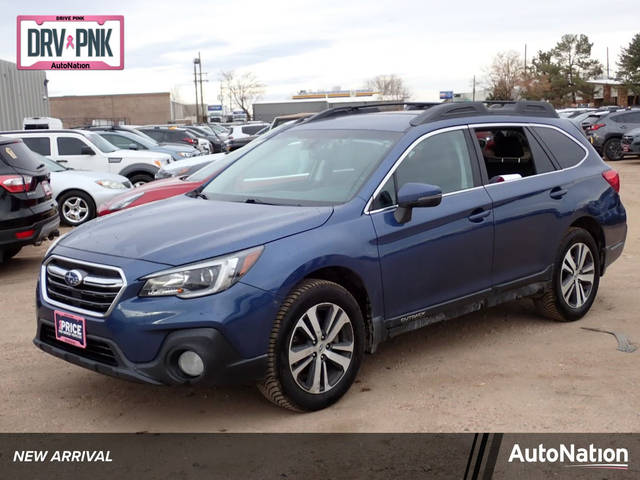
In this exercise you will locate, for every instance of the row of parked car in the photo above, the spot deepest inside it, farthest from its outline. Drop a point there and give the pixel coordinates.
(81, 173)
(613, 131)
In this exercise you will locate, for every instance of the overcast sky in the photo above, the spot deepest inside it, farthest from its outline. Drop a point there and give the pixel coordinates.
(294, 45)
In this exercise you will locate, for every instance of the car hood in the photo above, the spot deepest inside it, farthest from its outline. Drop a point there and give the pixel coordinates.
(183, 229)
(189, 162)
(146, 155)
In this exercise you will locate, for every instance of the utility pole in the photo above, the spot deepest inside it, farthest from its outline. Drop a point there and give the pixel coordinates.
(607, 63)
(201, 93)
(474, 88)
(525, 58)
(195, 82)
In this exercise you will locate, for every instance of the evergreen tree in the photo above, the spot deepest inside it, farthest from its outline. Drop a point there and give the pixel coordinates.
(629, 67)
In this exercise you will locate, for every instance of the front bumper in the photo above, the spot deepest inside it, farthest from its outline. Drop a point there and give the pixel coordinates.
(222, 363)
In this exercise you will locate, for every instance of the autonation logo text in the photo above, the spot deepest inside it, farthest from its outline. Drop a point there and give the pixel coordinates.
(587, 457)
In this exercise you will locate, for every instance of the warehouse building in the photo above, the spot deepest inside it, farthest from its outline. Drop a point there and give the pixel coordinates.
(129, 108)
(267, 111)
(23, 93)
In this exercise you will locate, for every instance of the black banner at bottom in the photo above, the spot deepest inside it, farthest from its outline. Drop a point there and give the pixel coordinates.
(325, 456)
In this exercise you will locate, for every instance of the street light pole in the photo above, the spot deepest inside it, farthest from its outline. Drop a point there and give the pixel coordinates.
(195, 82)
(201, 93)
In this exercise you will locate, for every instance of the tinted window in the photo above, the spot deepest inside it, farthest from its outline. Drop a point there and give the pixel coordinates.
(387, 196)
(41, 145)
(566, 152)
(441, 160)
(155, 134)
(18, 155)
(252, 129)
(540, 158)
(70, 146)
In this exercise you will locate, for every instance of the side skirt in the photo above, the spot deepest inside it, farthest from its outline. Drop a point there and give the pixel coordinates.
(524, 287)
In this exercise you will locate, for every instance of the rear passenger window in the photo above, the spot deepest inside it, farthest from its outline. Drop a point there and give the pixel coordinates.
(41, 145)
(566, 152)
(70, 146)
(509, 151)
(252, 129)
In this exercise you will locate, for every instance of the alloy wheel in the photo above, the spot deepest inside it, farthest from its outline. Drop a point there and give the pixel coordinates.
(75, 210)
(321, 348)
(577, 275)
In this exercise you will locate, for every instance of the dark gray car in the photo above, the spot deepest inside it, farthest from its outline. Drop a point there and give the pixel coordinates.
(129, 140)
(606, 133)
(631, 142)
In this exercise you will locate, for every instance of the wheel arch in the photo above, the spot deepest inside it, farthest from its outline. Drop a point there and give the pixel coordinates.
(138, 168)
(353, 283)
(595, 230)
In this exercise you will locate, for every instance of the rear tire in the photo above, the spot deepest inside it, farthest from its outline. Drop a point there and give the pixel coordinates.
(9, 253)
(315, 348)
(612, 150)
(576, 277)
(140, 179)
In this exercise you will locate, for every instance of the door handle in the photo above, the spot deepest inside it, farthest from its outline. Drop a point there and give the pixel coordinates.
(62, 161)
(558, 192)
(479, 215)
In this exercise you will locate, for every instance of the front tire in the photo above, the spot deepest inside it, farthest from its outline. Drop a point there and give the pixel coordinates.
(315, 348)
(140, 179)
(76, 208)
(612, 149)
(576, 277)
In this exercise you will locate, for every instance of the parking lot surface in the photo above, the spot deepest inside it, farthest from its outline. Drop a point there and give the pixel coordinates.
(503, 369)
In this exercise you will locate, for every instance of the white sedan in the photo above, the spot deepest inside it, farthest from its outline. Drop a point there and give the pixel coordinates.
(78, 192)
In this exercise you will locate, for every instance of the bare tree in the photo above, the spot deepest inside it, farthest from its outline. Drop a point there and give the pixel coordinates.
(243, 89)
(389, 87)
(504, 75)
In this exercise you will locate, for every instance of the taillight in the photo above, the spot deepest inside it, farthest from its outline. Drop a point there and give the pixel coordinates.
(596, 126)
(25, 234)
(15, 183)
(612, 177)
(188, 140)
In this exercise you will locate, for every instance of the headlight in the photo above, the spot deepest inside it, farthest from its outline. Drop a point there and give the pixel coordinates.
(183, 154)
(204, 278)
(125, 202)
(111, 184)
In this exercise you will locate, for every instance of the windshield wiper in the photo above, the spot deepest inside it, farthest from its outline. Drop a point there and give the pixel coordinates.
(256, 201)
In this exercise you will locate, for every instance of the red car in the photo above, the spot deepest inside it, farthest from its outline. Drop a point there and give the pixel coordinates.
(161, 189)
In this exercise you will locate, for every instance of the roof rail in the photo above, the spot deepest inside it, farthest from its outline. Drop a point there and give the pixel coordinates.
(446, 111)
(367, 108)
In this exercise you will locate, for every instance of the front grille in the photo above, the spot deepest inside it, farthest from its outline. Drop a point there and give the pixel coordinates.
(96, 350)
(95, 294)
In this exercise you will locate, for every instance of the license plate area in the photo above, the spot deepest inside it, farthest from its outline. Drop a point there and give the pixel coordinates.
(70, 329)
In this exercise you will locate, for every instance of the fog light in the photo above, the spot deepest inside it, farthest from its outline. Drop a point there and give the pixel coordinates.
(191, 363)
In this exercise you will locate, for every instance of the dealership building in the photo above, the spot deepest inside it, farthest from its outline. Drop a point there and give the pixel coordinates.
(23, 93)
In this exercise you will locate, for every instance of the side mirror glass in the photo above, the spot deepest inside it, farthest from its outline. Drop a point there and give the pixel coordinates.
(87, 151)
(416, 195)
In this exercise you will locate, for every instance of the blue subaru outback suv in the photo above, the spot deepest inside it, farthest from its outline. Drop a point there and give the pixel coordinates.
(344, 229)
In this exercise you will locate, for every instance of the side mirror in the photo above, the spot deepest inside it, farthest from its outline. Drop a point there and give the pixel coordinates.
(416, 195)
(87, 151)
(132, 146)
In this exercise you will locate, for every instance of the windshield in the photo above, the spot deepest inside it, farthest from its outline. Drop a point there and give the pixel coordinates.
(101, 143)
(214, 166)
(51, 165)
(303, 167)
(140, 133)
(142, 140)
(219, 129)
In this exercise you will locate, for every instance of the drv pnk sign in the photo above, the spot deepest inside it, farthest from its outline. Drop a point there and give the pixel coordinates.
(67, 42)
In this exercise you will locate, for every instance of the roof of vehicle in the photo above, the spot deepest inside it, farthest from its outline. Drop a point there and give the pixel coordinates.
(381, 117)
(4, 139)
(46, 131)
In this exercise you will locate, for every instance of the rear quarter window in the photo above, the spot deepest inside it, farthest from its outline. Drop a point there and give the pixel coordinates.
(566, 151)
(20, 156)
(252, 129)
(41, 145)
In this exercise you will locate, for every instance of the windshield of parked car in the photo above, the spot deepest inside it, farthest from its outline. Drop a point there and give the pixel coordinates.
(219, 129)
(51, 165)
(303, 167)
(140, 133)
(101, 143)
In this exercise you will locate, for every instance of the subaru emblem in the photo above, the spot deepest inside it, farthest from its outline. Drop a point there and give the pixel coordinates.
(73, 278)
